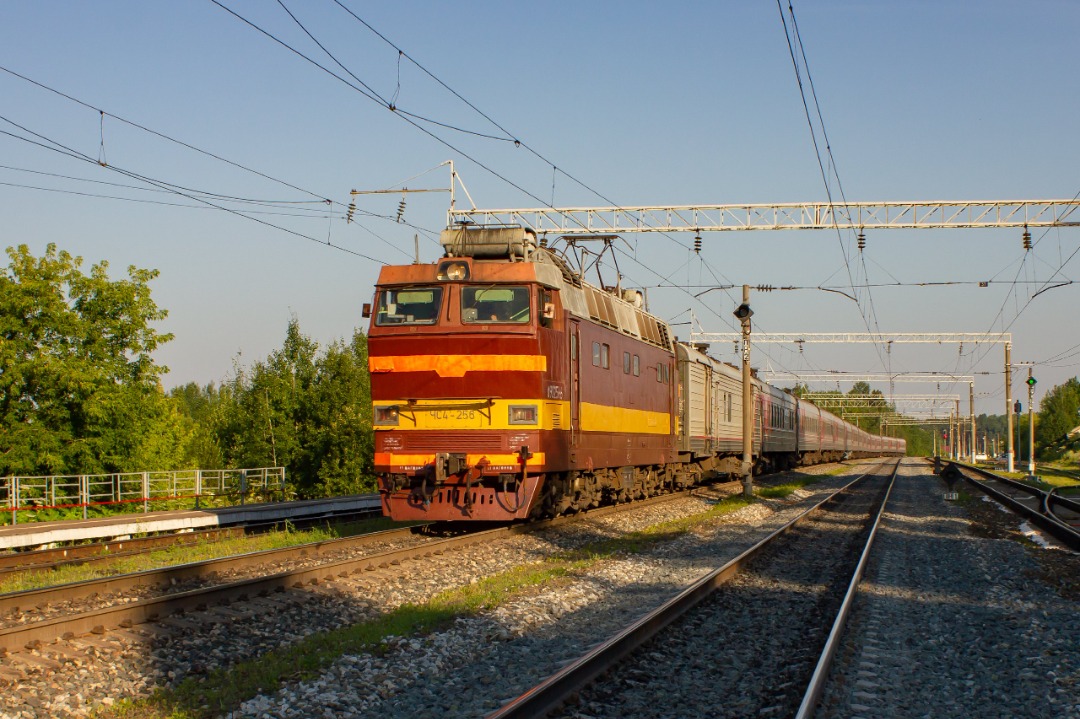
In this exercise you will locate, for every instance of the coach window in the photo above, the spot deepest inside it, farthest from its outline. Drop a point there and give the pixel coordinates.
(596, 354)
(605, 356)
(626, 362)
(411, 306)
(637, 366)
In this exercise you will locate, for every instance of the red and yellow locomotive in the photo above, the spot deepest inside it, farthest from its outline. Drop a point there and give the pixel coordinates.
(504, 387)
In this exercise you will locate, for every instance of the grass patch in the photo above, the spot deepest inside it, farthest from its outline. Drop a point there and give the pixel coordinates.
(197, 552)
(779, 491)
(1056, 477)
(224, 690)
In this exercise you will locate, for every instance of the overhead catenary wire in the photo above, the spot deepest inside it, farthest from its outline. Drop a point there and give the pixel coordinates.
(319, 198)
(368, 92)
(793, 39)
(55, 146)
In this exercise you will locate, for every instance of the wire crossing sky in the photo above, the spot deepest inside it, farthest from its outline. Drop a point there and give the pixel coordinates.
(218, 140)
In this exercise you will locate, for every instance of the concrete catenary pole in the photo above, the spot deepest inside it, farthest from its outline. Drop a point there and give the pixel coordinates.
(957, 436)
(971, 408)
(1031, 424)
(1008, 408)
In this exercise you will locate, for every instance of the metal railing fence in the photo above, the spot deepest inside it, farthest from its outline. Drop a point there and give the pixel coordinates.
(129, 490)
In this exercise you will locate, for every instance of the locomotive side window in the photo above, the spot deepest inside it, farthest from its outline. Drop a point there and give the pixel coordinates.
(596, 354)
(626, 362)
(605, 356)
(500, 304)
(411, 306)
(637, 366)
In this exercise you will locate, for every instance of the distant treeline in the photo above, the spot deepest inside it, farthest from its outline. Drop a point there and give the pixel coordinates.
(80, 392)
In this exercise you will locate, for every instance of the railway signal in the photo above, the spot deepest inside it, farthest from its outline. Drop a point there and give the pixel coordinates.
(743, 313)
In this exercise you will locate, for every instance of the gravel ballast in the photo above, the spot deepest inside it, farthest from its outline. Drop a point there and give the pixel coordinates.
(480, 661)
(954, 618)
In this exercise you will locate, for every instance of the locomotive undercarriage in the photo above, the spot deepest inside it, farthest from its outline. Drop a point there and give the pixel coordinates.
(505, 496)
(571, 492)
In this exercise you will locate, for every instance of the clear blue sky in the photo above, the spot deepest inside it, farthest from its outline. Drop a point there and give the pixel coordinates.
(643, 102)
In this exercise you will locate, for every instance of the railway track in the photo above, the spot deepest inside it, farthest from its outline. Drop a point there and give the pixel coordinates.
(1051, 512)
(766, 609)
(210, 636)
(34, 618)
(105, 553)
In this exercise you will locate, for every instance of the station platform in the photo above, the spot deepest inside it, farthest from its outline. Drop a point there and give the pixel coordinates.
(37, 534)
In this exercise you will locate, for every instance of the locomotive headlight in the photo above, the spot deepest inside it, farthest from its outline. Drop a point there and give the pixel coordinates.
(386, 415)
(523, 414)
(454, 271)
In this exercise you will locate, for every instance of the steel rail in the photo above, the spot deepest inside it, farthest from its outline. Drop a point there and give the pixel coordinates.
(176, 573)
(1068, 503)
(104, 552)
(552, 692)
(15, 638)
(56, 556)
(170, 575)
(832, 644)
(1047, 520)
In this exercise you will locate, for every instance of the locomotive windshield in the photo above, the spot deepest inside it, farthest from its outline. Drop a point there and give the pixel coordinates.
(412, 306)
(495, 304)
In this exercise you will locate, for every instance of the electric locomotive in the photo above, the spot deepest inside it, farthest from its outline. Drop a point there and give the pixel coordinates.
(505, 387)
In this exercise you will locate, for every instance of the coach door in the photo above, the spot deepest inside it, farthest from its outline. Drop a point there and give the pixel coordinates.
(575, 383)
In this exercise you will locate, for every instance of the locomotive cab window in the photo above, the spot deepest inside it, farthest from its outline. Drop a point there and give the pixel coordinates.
(500, 304)
(411, 306)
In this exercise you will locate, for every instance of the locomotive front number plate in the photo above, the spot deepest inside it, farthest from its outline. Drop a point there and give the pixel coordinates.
(452, 415)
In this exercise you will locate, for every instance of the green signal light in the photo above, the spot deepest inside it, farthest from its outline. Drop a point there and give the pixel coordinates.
(1031, 381)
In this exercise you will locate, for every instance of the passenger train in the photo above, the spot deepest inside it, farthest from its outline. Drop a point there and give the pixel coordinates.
(505, 387)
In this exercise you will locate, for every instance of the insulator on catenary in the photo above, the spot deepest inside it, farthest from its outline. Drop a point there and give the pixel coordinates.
(543, 241)
(765, 288)
(401, 209)
(697, 244)
(351, 212)
(862, 241)
(1027, 238)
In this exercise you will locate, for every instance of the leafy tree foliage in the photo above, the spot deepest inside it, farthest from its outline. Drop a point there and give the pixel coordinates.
(78, 384)
(199, 408)
(305, 410)
(1058, 414)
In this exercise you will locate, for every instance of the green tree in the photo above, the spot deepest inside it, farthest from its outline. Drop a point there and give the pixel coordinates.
(305, 410)
(79, 388)
(200, 408)
(340, 438)
(1057, 416)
